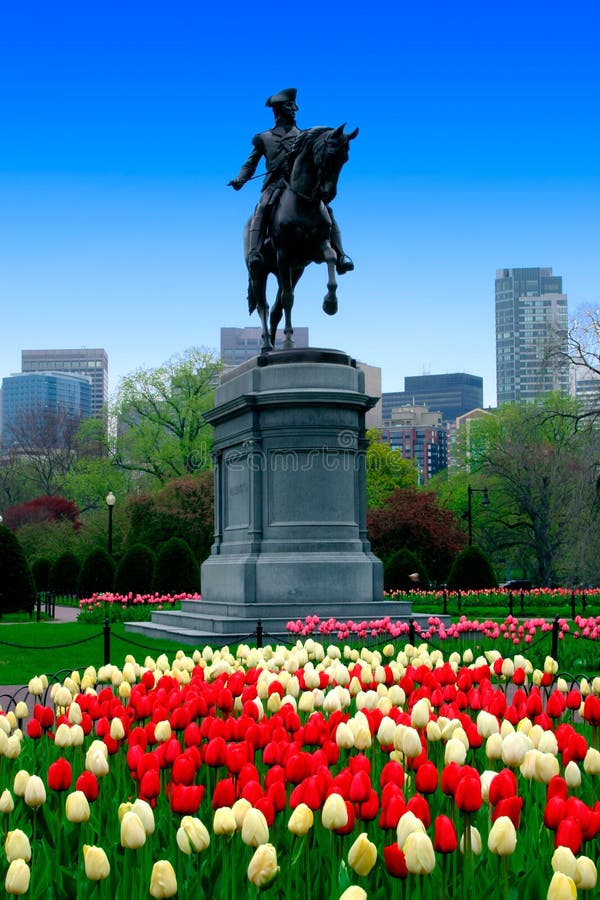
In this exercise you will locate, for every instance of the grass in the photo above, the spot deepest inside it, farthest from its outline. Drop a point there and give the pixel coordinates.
(53, 647)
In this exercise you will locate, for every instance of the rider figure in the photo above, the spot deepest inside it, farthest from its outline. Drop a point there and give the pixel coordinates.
(277, 145)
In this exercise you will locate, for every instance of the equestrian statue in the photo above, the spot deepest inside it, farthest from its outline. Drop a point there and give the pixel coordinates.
(293, 224)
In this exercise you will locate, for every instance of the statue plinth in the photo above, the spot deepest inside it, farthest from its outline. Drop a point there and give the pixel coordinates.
(290, 499)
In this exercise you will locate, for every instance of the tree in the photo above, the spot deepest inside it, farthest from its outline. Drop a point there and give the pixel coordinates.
(64, 574)
(42, 509)
(47, 440)
(176, 569)
(97, 573)
(412, 518)
(17, 588)
(471, 571)
(541, 469)
(135, 571)
(583, 353)
(404, 571)
(387, 470)
(161, 428)
(182, 508)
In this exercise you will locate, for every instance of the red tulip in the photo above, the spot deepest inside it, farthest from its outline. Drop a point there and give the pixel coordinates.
(185, 799)
(34, 729)
(349, 826)
(44, 715)
(426, 778)
(368, 810)
(503, 785)
(392, 810)
(392, 772)
(450, 776)
(87, 783)
(60, 775)
(223, 794)
(395, 861)
(360, 787)
(419, 807)
(591, 709)
(277, 795)
(557, 787)
(216, 752)
(445, 839)
(150, 784)
(568, 834)
(573, 699)
(467, 795)
(511, 807)
(554, 812)
(555, 706)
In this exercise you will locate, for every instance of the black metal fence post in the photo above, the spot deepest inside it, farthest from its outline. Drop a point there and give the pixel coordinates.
(106, 641)
(259, 634)
(411, 632)
(572, 604)
(38, 607)
(555, 629)
(522, 602)
(583, 603)
(445, 596)
(459, 595)
(510, 603)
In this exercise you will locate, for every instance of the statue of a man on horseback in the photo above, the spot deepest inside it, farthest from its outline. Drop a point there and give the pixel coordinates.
(277, 146)
(289, 199)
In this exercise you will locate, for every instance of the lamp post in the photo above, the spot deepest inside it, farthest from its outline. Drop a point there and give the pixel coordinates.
(110, 502)
(485, 501)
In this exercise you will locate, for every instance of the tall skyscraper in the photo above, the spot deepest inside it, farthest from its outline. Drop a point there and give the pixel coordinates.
(531, 326)
(91, 363)
(452, 394)
(40, 394)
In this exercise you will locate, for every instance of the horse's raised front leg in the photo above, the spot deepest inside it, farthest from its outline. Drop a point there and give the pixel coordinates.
(330, 303)
(286, 295)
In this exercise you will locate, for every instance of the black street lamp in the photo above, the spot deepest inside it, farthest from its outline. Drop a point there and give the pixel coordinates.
(110, 502)
(485, 501)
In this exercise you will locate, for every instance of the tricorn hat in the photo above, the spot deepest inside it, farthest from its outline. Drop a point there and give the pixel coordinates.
(282, 97)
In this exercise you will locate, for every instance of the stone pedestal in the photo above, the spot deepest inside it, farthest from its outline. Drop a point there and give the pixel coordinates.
(290, 500)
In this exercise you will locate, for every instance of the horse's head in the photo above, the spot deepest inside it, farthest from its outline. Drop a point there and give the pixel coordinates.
(321, 154)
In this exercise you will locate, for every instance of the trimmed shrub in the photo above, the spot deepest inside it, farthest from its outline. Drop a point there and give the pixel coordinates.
(176, 570)
(17, 587)
(40, 569)
(64, 574)
(471, 571)
(97, 573)
(399, 567)
(135, 571)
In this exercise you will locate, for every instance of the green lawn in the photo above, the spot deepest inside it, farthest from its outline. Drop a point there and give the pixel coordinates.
(28, 648)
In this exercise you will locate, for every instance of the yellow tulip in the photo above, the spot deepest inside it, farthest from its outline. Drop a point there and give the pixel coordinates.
(263, 865)
(224, 821)
(192, 836)
(255, 830)
(301, 820)
(17, 846)
(362, 855)
(502, 839)
(561, 888)
(334, 813)
(162, 731)
(239, 810)
(7, 804)
(21, 710)
(563, 860)
(133, 835)
(17, 877)
(63, 737)
(163, 882)
(77, 808)
(97, 866)
(354, 892)
(419, 853)
(476, 845)
(35, 792)
(144, 812)
(586, 874)
(407, 823)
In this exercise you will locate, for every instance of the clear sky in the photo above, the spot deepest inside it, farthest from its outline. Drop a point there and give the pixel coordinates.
(121, 123)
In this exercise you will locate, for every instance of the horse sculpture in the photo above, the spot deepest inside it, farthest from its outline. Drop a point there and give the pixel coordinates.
(300, 230)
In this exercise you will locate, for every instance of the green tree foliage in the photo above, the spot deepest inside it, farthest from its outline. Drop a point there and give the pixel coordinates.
(404, 571)
(97, 573)
(17, 588)
(64, 574)
(183, 508)
(541, 468)
(161, 428)
(135, 571)
(387, 470)
(40, 570)
(471, 571)
(412, 518)
(176, 569)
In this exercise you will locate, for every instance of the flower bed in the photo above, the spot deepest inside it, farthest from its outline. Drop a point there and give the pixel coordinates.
(307, 773)
(127, 607)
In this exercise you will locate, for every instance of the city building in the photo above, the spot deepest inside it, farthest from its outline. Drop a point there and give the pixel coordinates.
(241, 344)
(461, 449)
(452, 394)
(419, 435)
(372, 375)
(63, 397)
(531, 334)
(92, 363)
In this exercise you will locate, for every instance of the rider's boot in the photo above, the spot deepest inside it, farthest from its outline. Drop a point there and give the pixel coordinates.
(344, 263)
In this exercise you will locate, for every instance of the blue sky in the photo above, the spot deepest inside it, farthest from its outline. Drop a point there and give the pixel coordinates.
(121, 123)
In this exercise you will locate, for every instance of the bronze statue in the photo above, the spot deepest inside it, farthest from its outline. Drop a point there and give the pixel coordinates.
(293, 224)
